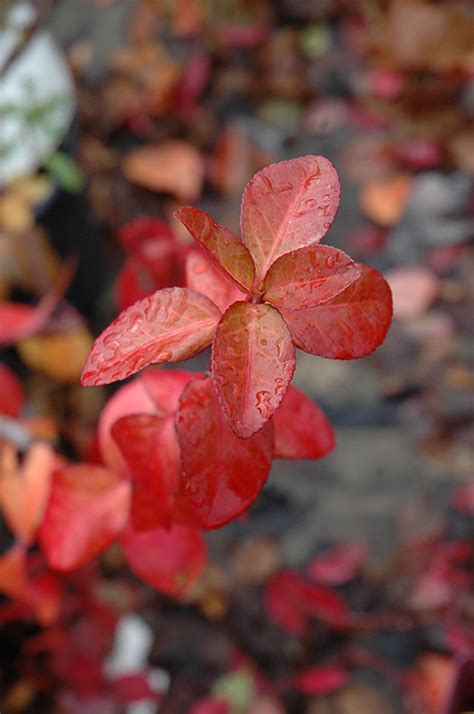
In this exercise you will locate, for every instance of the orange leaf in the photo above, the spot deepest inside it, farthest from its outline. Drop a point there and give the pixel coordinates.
(172, 167)
(384, 201)
(13, 580)
(61, 356)
(24, 492)
(224, 248)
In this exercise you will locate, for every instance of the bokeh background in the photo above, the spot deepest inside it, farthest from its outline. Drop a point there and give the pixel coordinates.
(168, 103)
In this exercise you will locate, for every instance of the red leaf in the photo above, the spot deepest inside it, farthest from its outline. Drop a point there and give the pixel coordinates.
(290, 600)
(338, 565)
(225, 250)
(24, 492)
(131, 398)
(463, 499)
(321, 680)
(12, 396)
(155, 262)
(142, 230)
(210, 705)
(151, 449)
(222, 474)
(134, 687)
(45, 596)
(13, 579)
(202, 277)
(155, 391)
(302, 431)
(87, 509)
(307, 277)
(168, 560)
(165, 386)
(171, 325)
(253, 361)
(351, 325)
(287, 206)
(134, 282)
(18, 320)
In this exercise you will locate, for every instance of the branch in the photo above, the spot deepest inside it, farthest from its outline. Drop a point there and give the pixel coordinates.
(43, 10)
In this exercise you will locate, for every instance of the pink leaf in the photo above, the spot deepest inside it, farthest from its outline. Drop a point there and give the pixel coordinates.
(151, 449)
(351, 325)
(287, 206)
(225, 250)
(171, 325)
(309, 276)
(202, 277)
(338, 565)
(291, 600)
(168, 560)
(414, 289)
(222, 474)
(253, 362)
(302, 431)
(87, 509)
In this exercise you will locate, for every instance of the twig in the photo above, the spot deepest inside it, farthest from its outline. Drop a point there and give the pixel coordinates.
(43, 10)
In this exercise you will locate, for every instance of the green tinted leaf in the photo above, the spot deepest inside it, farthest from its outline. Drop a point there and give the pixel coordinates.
(65, 172)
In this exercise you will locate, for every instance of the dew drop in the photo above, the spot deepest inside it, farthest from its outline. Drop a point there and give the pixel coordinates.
(312, 178)
(264, 403)
(310, 202)
(327, 225)
(165, 356)
(331, 261)
(264, 342)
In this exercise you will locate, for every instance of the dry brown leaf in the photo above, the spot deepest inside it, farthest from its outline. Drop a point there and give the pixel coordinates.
(16, 214)
(414, 289)
(384, 200)
(256, 559)
(59, 356)
(24, 491)
(34, 189)
(354, 699)
(172, 167)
